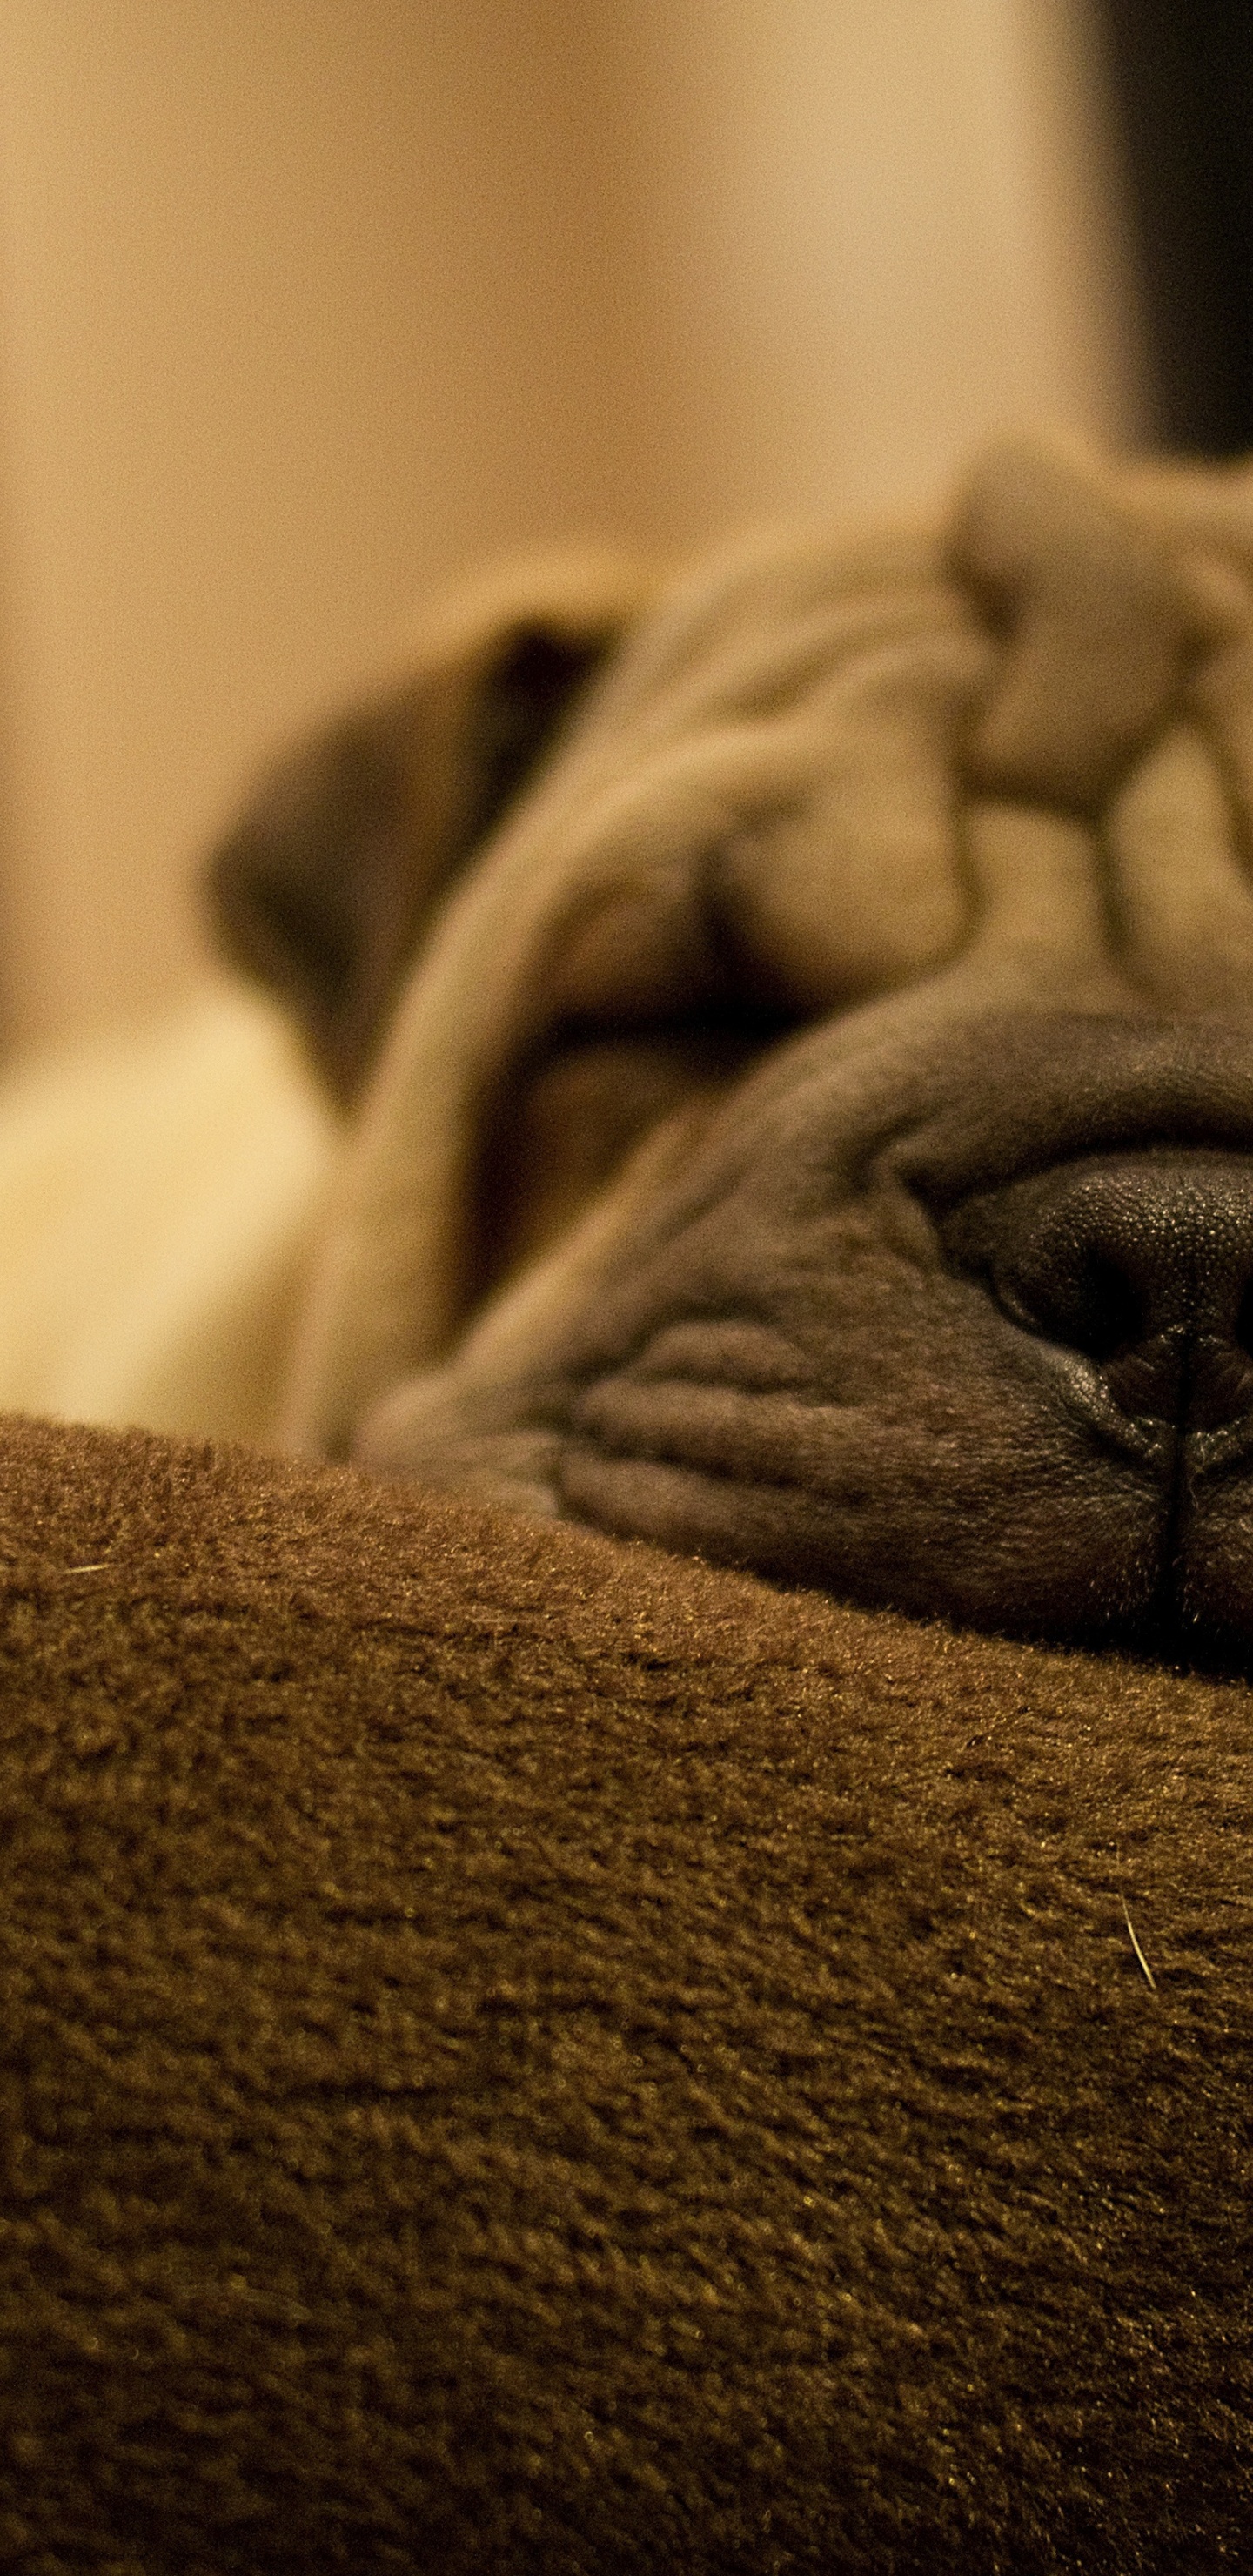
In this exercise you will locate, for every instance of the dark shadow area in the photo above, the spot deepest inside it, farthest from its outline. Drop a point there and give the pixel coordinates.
(1181, 75)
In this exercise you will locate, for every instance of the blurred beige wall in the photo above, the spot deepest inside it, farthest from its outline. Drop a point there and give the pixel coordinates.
(306, 303)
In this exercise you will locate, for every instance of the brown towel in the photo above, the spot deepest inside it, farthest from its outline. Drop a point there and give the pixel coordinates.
(519, 2054)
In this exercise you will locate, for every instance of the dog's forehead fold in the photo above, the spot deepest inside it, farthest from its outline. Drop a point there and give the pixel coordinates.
(1102, 625)
(818, 842)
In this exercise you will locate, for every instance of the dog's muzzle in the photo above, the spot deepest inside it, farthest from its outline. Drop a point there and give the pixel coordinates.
(1010, 1379)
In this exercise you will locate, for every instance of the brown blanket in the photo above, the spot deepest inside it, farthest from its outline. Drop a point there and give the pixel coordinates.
(520, 2054)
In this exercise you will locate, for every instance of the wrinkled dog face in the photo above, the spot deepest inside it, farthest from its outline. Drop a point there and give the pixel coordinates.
(802, 1092)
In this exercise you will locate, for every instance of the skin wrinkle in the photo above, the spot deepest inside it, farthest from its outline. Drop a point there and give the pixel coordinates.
(1177, 798)
(919, 865)
(417, 1136)
(442, 1055)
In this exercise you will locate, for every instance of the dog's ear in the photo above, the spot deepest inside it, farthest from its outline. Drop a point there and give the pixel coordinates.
(323, 887)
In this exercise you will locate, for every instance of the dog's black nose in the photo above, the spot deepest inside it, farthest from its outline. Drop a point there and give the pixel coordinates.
(1141, 1262)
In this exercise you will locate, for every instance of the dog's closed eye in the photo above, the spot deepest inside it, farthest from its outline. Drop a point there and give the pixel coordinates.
(581, 1105)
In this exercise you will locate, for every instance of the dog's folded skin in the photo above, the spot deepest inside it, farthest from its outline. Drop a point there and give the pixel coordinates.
(816, 1130)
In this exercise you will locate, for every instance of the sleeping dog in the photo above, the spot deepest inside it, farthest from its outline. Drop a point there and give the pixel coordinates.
(797, 1041)
(794, 1039)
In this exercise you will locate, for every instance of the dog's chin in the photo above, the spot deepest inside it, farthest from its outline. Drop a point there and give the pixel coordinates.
(1036, 1528)
(1004, 1501)
(1098, 1562)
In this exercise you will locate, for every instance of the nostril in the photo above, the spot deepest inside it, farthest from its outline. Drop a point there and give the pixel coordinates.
(1096, 1309)
(1142, 1264)
(1051, 1277)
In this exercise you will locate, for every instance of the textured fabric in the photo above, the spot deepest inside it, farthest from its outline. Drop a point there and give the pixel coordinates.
(521, 2054)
